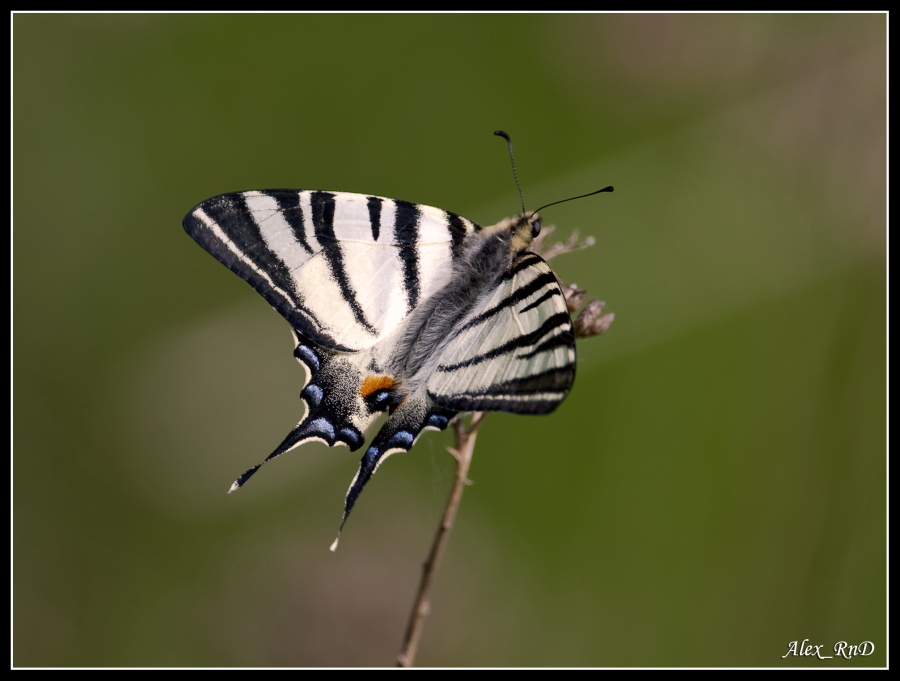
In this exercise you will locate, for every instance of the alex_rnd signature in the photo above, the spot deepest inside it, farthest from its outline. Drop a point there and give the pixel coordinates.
(841, 649)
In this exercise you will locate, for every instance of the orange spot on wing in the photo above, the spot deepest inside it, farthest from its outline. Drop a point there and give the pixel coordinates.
(372, 383)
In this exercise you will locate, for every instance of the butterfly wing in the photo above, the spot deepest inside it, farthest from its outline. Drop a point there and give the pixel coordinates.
(515, 352)
(343, 269)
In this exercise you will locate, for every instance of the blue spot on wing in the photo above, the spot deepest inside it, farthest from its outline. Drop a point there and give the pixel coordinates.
(312, 394)
(322, 426)
(438, 421)
(351, 436)
(308, 357)
(402, 439)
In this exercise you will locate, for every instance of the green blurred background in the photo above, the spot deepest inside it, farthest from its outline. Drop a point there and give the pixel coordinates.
(713, 488)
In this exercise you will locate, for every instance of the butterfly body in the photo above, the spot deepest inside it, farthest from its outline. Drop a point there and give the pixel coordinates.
(396, 307)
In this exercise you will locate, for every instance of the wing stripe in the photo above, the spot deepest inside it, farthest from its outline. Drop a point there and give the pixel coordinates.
(323, 222)
(536, 394)
(520, 294)
(560, 340)
(554, 291)
(406, 233)
(374, 204)
(556, 380)
(289, 205)
(457, 233)
(523, 263)
(557, 321)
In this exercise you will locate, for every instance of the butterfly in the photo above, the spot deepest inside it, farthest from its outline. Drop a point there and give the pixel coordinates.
(396, 308)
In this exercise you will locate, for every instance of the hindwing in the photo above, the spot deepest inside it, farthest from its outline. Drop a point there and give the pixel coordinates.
(515, 352)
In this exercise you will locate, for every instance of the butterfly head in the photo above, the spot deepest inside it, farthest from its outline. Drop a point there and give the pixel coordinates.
(520, 230)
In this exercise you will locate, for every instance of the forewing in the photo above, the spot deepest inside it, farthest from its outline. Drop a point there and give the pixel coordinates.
(515, 352)
(344, 269)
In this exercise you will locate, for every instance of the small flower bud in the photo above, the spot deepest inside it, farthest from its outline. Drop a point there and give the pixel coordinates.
(592, 321)
(574, 297)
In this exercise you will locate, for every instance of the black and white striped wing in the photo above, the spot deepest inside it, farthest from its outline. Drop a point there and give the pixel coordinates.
(344, 269)
(515, 352)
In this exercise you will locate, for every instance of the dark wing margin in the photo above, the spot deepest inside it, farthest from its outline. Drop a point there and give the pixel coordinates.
(226, 228)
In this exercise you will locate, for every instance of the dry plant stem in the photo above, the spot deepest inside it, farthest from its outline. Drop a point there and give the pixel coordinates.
(462, 452)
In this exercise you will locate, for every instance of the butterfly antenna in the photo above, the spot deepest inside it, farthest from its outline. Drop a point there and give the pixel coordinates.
(512, 160)
(599, 191)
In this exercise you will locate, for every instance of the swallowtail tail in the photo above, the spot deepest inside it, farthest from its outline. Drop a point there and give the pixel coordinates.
(396, 307)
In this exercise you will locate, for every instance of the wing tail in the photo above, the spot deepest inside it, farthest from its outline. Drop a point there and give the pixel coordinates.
(398, 434)
(333, 416)
(317, 426)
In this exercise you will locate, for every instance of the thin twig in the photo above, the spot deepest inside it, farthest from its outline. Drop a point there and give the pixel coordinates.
(462, 452)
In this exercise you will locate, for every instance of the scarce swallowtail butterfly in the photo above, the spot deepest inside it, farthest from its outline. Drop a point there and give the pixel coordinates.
(396, 307)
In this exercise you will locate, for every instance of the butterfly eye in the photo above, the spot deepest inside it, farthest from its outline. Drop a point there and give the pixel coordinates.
(535, 229)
